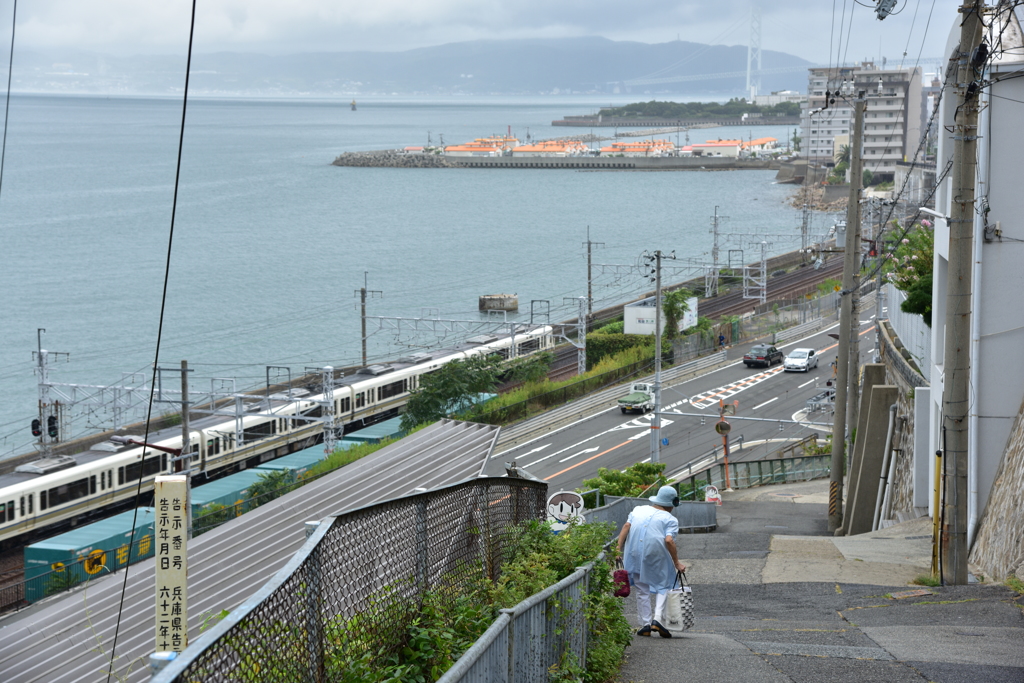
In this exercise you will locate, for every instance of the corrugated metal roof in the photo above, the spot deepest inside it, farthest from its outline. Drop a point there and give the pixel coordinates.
(62, 640)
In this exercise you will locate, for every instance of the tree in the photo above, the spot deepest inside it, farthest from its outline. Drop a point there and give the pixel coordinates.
(450, 389)
(843, 155)
(270, 485)
(527, 369)
(919, 299)
(675, 306)
(867, 177)
(631, 481)
(908, 266)
(796, 141)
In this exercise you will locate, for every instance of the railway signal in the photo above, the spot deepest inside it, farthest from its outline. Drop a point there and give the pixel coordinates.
(37, 428)
(51, 426)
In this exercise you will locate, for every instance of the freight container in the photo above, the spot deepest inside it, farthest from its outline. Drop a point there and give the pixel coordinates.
(96, 549)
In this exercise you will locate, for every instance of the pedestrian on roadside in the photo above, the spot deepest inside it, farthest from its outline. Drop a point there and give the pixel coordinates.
(721, 341)
(648, 547)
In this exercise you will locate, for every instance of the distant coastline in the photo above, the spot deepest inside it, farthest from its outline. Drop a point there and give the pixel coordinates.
(400, 159)
(600, 121)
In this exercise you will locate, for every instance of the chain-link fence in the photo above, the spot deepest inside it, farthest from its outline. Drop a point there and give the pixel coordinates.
(765, 319)
(526, 642)
(346, 598)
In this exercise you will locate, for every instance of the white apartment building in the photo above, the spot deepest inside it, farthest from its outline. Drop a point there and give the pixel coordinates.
(892, 119)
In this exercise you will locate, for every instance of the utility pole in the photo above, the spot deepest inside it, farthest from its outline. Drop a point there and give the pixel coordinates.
(711, 280)
(656, 258)
(184, 461)
(362, 292)
(581, 333)
(956, 357)
(847, 330)
(48, 422)
(590, 278)
(328, 409)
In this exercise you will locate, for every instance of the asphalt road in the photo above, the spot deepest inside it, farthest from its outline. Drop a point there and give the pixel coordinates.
(569, 455)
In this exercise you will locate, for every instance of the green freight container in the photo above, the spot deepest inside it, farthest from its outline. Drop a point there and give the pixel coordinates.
(300, 462)
(375, 433)
(231, 492)
(64, 561)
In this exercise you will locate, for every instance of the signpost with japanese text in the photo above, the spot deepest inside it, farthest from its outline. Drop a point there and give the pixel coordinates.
(171, 508)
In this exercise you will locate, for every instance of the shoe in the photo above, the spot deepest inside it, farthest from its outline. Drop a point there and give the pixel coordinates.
(644, 630)
(662, 631)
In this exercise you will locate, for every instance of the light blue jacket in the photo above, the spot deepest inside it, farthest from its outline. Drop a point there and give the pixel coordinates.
(645, 556)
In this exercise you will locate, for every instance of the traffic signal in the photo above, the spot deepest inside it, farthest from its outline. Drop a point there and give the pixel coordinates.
(37, 428)
(51, 426)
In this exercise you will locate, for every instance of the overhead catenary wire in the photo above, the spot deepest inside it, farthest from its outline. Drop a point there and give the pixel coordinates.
(7, 105)
(156, 355)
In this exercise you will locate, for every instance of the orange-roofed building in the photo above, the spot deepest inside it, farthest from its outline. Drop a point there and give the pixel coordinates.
(640, 148)
(717, 148)
(760, 145)
(473, 150)
(551, 148)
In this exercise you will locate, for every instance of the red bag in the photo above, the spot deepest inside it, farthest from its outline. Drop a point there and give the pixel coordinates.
(620, 577)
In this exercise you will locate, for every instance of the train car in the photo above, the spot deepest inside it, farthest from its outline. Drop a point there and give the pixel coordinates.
(62, 491)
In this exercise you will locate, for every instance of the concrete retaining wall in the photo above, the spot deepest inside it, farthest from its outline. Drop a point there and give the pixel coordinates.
(396, 159)
(904, 376)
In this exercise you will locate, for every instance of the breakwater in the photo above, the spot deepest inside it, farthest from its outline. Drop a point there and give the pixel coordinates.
(396, 159)
(601, 121)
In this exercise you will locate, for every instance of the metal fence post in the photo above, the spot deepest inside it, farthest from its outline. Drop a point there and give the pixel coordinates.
(422, 546)
(314, 628)
(511, 643)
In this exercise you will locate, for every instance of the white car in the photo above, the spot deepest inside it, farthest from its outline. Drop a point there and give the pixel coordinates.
(801, 360)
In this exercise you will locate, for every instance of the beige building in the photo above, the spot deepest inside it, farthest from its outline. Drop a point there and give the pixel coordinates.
(892, 118)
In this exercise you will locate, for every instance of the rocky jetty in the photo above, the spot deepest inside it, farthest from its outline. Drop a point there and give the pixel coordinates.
(390, 158)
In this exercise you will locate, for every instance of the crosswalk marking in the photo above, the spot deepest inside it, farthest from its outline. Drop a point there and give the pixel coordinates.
(712, 397)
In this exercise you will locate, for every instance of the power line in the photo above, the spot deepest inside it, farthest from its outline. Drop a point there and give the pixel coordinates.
(160, 327)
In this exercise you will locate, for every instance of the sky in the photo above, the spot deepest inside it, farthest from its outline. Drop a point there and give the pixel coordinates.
(812, 29)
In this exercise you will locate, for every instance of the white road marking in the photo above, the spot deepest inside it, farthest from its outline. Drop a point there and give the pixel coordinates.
(538, 448)
(585, 450)
(805, 384)
(761, 405)
(646, 460)
(640, 435)
(560, 429)
(709, 398)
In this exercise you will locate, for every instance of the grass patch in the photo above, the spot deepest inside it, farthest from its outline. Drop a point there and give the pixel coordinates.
(943, 602)
(1013, 583)
(926, 580)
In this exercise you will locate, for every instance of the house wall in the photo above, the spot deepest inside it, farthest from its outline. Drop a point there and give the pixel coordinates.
(997, 379)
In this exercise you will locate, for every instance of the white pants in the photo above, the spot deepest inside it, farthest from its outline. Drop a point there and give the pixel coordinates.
(643, 604)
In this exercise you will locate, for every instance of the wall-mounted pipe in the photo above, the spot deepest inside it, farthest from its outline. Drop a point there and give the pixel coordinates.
(889, 485)
(883, 477)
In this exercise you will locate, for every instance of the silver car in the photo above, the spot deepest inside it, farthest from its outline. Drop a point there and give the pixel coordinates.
(801, 360)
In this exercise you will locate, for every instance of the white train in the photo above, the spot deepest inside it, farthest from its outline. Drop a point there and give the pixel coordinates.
(61, 491)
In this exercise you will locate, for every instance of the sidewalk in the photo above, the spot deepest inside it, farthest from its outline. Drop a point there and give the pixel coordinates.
(778, 599)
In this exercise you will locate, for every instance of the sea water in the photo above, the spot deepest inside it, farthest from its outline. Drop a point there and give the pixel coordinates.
(271, 242)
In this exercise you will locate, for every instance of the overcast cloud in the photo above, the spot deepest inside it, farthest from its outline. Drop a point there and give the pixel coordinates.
(802, 27)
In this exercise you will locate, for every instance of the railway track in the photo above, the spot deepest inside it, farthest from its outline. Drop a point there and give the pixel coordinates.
(782, 288)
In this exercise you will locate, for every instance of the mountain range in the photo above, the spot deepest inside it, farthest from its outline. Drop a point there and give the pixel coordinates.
(506, 67)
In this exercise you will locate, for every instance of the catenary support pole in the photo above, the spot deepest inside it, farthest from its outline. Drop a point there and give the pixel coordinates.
(956, 358)
(846, 327)
(656, 417)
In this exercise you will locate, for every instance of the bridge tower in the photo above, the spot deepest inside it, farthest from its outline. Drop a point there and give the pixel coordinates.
(754, 52)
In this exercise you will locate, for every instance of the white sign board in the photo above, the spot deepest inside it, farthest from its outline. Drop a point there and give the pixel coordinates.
(170, 500)
(638, 318)
(563, 508)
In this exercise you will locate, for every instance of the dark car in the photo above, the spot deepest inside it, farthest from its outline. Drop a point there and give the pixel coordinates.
(762, 354)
